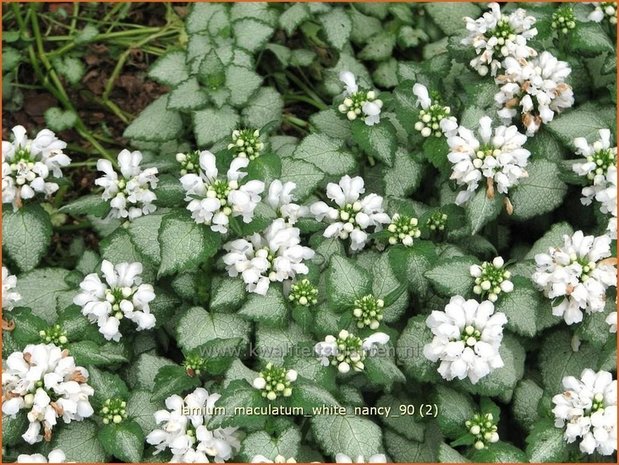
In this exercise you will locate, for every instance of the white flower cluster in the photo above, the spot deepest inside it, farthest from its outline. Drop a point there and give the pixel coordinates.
(214, 199)
(484, 429)
(496, 36)
(403, 229)
(491, 279)
(246, 143)
(186, 434)
(434, 118)
(27, 164)
(275, 381)
(577, 275)
(497, 155)
(9, 296)
(55, 456)
(130, 194)
(122, 295)
(347, 350)
(274, 255)
(44, 380)
(535, 89)
(563, 19)
(281, 199)
(353, 215)
(588, 411)
(357, 102)
(467, 337)
(604, 10)
(600, 169)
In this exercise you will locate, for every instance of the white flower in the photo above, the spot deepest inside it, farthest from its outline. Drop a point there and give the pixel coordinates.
(576, 275)
(277, 459)
(588, 411)
(9, 296)
(55, 456)
(604, 10)
(534, 89)
(377, 458)
(497, 155)
(600, 169)
(357, 102)
(274, 255)
(130, 194)
(496, 36)
(44, 380)
(467, 337)
(579, 272)
(183, 430)
(434, 118)
(281, 199)
(275, 381)
(611, 320)
(213, 199)
(354, 215)
(491, 278)
(27, 165)
(122, 295)
(347, 350)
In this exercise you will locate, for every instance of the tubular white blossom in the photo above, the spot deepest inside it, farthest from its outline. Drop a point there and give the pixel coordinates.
(600, 169)
(348, 351)
(281, 199)
(376, 458)
(603, 10)
(576, 275)
(497, 155)
(587, 409)
(433, 117)
(358, 102)
(496, 36)
(182, 430)
(467, 337)
(44, 380)
(122, 295)
(611, 321)
(276, 255)
(9, 296)
(534, 89)
(55, 456)
(212, 199)
(354, 214)
(27, 165)
(129, 193)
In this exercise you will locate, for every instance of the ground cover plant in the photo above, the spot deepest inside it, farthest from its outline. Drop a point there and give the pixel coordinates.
(309, 232)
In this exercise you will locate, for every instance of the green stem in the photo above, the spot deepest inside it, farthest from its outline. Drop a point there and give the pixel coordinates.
(101, 38)
(123, 57)
(76, 10)
(296, 121)
(317, 100)
(80, 164)
(55, 87)
(303, 98)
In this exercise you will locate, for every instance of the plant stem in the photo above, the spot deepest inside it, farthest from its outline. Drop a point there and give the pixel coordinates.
(317, 100)
(55, 87)
(123, 57)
